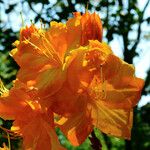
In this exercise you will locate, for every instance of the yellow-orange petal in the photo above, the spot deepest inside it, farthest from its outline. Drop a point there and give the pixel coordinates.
(91, 28)
(116, 85)
(61, 98)
(50, 81)
(74, 31)
(38, 133)
(78, 75)
(12, 104)
(77, 128)
(84, 63)
(82, 28)
(4, 147)
(116, 122)
(57, 36)
(34, 123)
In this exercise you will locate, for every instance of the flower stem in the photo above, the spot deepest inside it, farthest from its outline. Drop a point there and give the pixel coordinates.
(95, 143)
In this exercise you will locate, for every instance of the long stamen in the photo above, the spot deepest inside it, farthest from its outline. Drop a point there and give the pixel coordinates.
(22, 19)
(41, 24)
(12, 135)
(87, 5)
(31, 21)
(3, 89)
(103, 88)
(50, 50)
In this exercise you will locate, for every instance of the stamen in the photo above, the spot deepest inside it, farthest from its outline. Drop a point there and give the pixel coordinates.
(22, 19)
(11, 134)
(31, 21)
(87, 5)
(44, 25)
(41, 24)
(103, 87)
(33, 45)
(3, 89)
(50, 49)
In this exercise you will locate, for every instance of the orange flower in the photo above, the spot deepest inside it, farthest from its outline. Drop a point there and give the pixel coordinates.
(76, 76)
(102, 93)
(34, 123)
(91, 27)
(83, 28)
(43, 56)
(40, 64)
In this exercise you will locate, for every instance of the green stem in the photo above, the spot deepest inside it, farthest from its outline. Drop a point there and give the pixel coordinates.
(9, 145)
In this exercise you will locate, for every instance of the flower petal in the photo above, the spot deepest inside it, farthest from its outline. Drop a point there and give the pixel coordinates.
(120, 88)
(117, 122)
(50, 81)
(84, 63)
(57, 36)
(77, 127)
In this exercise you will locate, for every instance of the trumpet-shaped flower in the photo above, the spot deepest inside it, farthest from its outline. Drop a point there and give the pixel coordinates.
(42, 55)
(102, 92)
(34, 123)
(76, 76)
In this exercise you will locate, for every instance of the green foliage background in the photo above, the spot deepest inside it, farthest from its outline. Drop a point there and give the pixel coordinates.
(115, 23)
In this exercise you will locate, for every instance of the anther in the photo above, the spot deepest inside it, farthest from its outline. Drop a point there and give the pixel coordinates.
(31, 21)
(22, 19)
(3, 89)
(41, 23)
(103, 82)
(87, 5)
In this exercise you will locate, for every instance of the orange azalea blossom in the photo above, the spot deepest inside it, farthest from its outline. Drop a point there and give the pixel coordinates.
(42, 55)
(101, 91)
(34, 123)
(77, 76)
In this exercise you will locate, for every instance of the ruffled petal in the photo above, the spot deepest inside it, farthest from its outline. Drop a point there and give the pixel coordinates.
(82, 28)
(31, 121)
(118, 88)
(12, 104)
(40, 66)
(66, 96)
(91, 28)
(57, 36)
(77, 127)
(84, 63)
(50, 81)
(74, 31)
(116, 122)
(38, 133)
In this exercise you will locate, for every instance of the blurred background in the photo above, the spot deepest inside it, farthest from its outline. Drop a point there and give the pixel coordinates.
(127, 30)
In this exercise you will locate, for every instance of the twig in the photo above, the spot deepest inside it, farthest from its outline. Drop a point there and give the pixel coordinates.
(139, 27)
(96, 144)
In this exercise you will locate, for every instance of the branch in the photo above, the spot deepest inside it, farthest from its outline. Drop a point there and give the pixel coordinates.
(120, 3)
(30, 5)
(139, 27)
(71, 6)
(96, 145)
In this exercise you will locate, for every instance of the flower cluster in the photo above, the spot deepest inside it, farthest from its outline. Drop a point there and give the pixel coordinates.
(67, 72)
